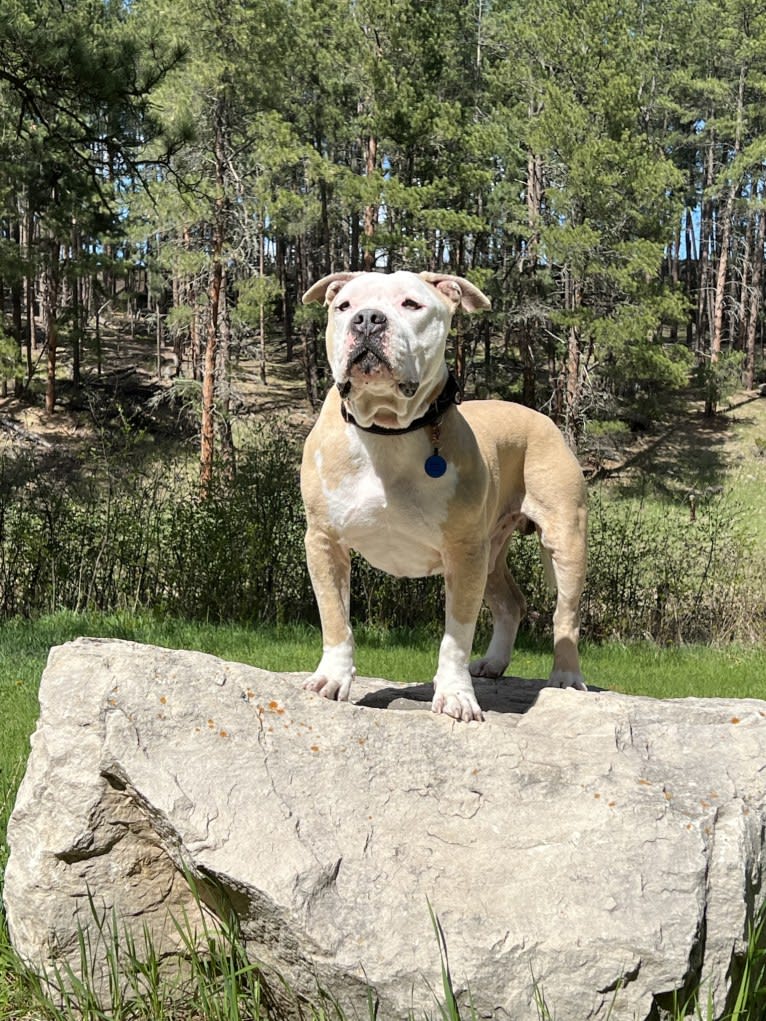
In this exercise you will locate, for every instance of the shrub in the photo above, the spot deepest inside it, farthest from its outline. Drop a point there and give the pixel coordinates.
(125, 537)
(717, 381)
(238, 554)
(116, 538)
(656, 573)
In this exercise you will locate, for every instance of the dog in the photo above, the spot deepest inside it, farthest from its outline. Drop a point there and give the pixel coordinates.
(419, 484)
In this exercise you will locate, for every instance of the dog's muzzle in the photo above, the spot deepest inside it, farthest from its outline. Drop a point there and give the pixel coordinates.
(367, 355)
(368, 328)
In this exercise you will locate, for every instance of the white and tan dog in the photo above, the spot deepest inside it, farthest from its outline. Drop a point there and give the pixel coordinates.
(418, 486)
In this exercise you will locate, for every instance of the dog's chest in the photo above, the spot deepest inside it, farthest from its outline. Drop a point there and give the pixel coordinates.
(389, 510)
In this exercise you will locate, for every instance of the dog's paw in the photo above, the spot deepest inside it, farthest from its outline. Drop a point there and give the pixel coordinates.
(335, 688)
(335, 674)
(460, 705)
(567, 679)
(487, 667)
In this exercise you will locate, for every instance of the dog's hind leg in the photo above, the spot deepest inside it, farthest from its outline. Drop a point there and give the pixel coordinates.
(565, 547)
(507, 605)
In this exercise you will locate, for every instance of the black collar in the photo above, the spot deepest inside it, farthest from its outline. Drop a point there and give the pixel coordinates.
(451, 394)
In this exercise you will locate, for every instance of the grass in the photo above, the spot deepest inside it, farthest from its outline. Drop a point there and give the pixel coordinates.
(690, 454)
(746, 459)
(732, 671)
(220, 983)
(229, 988)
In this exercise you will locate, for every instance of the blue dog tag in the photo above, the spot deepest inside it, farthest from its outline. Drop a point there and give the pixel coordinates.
(435, 466)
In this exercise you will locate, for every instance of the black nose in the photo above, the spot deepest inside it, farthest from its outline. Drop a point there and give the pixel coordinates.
(369, 322)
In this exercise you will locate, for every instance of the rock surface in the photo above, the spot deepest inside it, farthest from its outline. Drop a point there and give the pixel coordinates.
(600, 851)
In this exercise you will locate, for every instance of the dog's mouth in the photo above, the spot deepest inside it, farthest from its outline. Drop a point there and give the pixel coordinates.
(367, 364)
(368, 358)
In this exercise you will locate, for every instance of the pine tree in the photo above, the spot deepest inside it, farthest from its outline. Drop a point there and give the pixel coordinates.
(599, 188)
(74, 83)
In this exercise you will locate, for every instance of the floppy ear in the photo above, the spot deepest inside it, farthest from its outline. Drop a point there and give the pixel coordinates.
(457, 291)
(326, 288)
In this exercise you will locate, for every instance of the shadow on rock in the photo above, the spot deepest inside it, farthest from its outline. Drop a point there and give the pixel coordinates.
(514, 695)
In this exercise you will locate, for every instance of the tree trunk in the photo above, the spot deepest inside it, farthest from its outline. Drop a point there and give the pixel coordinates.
(158, 338)
(16, 310)
(188, 288)
(706, 231)
(324, 243)
(76, 309)
(725, 219)
(690, 268)
(195, 333)
(459, 353)
(287, 300)
(370, 210)
(207, 446)
(224, 374)
(743, 296)
(572, 395)
(572, 409)
(534, 200)
(755, 300)
(4, 382)
(675, 272)
(305, 272)
(716, 336)
(261, 310)
(528, 380)
(50, 313)
(354, 242)
(29, 233)
(529, 270)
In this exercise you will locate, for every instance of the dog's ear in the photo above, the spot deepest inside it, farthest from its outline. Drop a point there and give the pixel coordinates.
(457, 291)
(326, 288)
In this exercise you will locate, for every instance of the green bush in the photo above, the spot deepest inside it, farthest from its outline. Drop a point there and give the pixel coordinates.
(114, 539)
(717, 381)
(655, 571)
(121, 537)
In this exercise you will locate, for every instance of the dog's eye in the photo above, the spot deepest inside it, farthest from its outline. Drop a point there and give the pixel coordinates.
(411, 303)
(343, 307)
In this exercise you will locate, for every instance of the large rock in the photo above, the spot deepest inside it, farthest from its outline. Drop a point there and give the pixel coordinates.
(601, 851)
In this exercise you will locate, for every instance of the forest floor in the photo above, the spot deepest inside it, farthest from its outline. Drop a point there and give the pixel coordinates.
(127, 392)
(687, 457)
(687, 460)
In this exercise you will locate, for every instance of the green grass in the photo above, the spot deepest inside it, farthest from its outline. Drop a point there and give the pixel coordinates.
(644, 669)
(733, 671)
(746, 460)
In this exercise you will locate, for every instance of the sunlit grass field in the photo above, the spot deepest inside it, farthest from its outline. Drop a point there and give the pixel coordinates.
(731, 671)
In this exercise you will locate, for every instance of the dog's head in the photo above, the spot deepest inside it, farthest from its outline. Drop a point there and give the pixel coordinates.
(386, 339)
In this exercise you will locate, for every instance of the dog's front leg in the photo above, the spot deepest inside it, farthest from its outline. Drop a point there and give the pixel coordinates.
(465, 573)
(329, 566)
